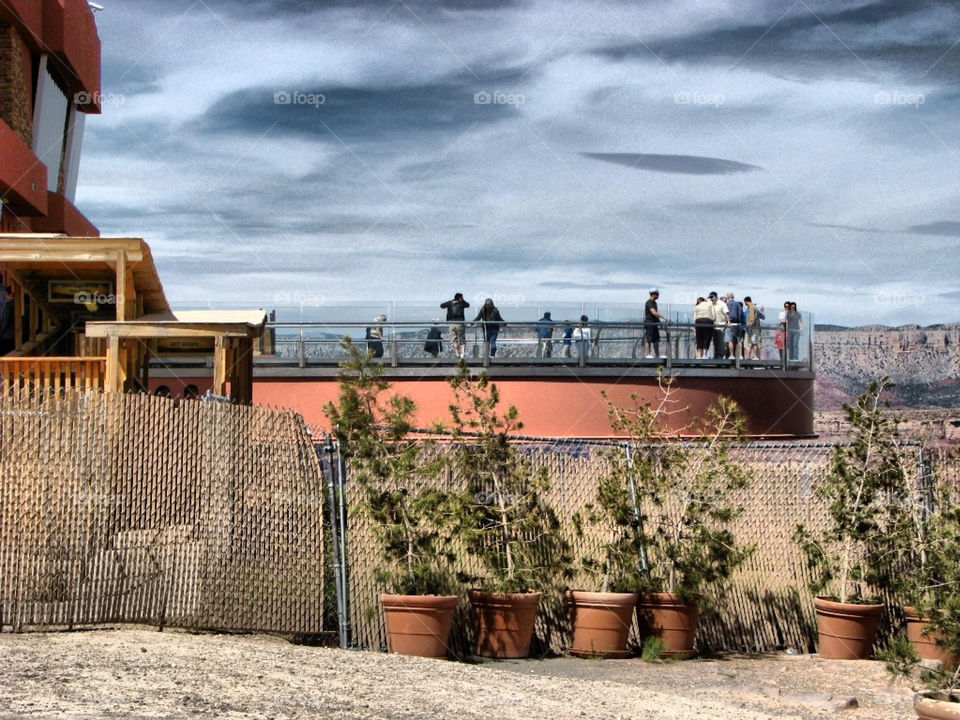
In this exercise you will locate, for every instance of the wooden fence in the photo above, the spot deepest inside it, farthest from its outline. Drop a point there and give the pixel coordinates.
(134, 508)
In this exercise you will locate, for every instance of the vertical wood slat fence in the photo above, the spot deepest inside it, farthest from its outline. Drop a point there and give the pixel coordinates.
(134, 508)
(51, 373)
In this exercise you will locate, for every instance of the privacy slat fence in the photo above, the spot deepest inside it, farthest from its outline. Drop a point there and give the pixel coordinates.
(134, 508)
(766, 604)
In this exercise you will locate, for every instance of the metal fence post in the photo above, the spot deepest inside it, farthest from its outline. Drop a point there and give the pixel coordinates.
(335, 486)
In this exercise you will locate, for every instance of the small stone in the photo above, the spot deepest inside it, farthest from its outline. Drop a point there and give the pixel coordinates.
(840, 703)
(143, 649)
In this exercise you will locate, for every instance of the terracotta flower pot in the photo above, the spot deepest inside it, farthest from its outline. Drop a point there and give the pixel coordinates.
(601, 623)
(936, 706)
(846, 630)
(503, 623)
(663, 615)
(927, 646)
(418, 624)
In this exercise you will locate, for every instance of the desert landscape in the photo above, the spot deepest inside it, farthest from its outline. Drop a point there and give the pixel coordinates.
(924, 362)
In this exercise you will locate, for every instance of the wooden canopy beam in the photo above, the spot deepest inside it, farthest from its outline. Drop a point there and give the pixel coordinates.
(144, 331)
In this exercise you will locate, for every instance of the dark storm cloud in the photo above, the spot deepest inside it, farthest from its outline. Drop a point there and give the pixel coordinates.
(683, 164)
(353, 113)
(130, 79)
(946, 228)
(821, 41)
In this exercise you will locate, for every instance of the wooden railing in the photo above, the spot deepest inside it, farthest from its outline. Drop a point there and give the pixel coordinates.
(52, 373)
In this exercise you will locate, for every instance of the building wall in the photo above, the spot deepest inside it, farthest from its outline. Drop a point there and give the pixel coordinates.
(776, 407)
(16, 106)
(65, 32)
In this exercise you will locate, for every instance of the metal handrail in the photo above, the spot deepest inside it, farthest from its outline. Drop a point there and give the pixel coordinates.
(610, 342)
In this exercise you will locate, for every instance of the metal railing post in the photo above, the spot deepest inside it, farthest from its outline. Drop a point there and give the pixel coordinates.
(666, 331)
(393, 346)
(301, 350)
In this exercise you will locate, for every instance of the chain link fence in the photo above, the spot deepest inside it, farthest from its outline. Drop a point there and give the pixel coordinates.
(140, 509)
(765, 605)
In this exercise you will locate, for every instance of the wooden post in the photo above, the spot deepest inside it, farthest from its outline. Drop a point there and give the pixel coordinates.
(113, 382)
(130, 297)
(120, 284)
(220, 347)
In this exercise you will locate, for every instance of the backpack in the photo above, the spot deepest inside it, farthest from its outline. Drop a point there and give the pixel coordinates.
(736, 312)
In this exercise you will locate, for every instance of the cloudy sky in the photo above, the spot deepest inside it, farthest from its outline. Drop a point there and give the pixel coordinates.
(285, 151)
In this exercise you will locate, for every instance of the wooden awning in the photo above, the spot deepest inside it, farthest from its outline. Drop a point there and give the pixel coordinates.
(37, 262)
(185, 324)
(233, 333)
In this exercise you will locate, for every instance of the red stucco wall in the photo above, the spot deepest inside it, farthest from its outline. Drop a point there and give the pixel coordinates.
(558, 407)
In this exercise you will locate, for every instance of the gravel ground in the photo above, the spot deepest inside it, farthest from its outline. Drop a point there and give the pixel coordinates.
(143, 673)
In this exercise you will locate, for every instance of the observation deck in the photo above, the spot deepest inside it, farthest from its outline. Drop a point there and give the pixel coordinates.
(558, 387)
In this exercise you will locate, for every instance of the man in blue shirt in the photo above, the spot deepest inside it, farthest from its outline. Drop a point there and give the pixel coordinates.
(544, 335)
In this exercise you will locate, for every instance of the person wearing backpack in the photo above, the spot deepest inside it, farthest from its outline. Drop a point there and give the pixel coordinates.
(733, 333)
(457, 325)
(754, 316)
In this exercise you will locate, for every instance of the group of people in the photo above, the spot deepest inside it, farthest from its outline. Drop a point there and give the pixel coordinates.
(735, 330)
(491, 322)
(731, 327)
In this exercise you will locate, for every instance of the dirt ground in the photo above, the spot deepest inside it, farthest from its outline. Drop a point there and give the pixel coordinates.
(142, 673)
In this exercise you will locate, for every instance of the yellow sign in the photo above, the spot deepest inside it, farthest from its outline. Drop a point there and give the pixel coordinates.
(88, 293)
(175, 346)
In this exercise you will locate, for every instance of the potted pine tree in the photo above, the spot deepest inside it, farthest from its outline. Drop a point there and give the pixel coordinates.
(671, 504)
(503, 521)
(601, 618)
(940, 611)
(925, 548)
(398, 478)
(849, 558)
(933, 588)
(940, 635)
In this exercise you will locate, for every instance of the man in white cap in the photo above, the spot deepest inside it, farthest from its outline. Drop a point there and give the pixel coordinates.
(375, 336)
(651, 324)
